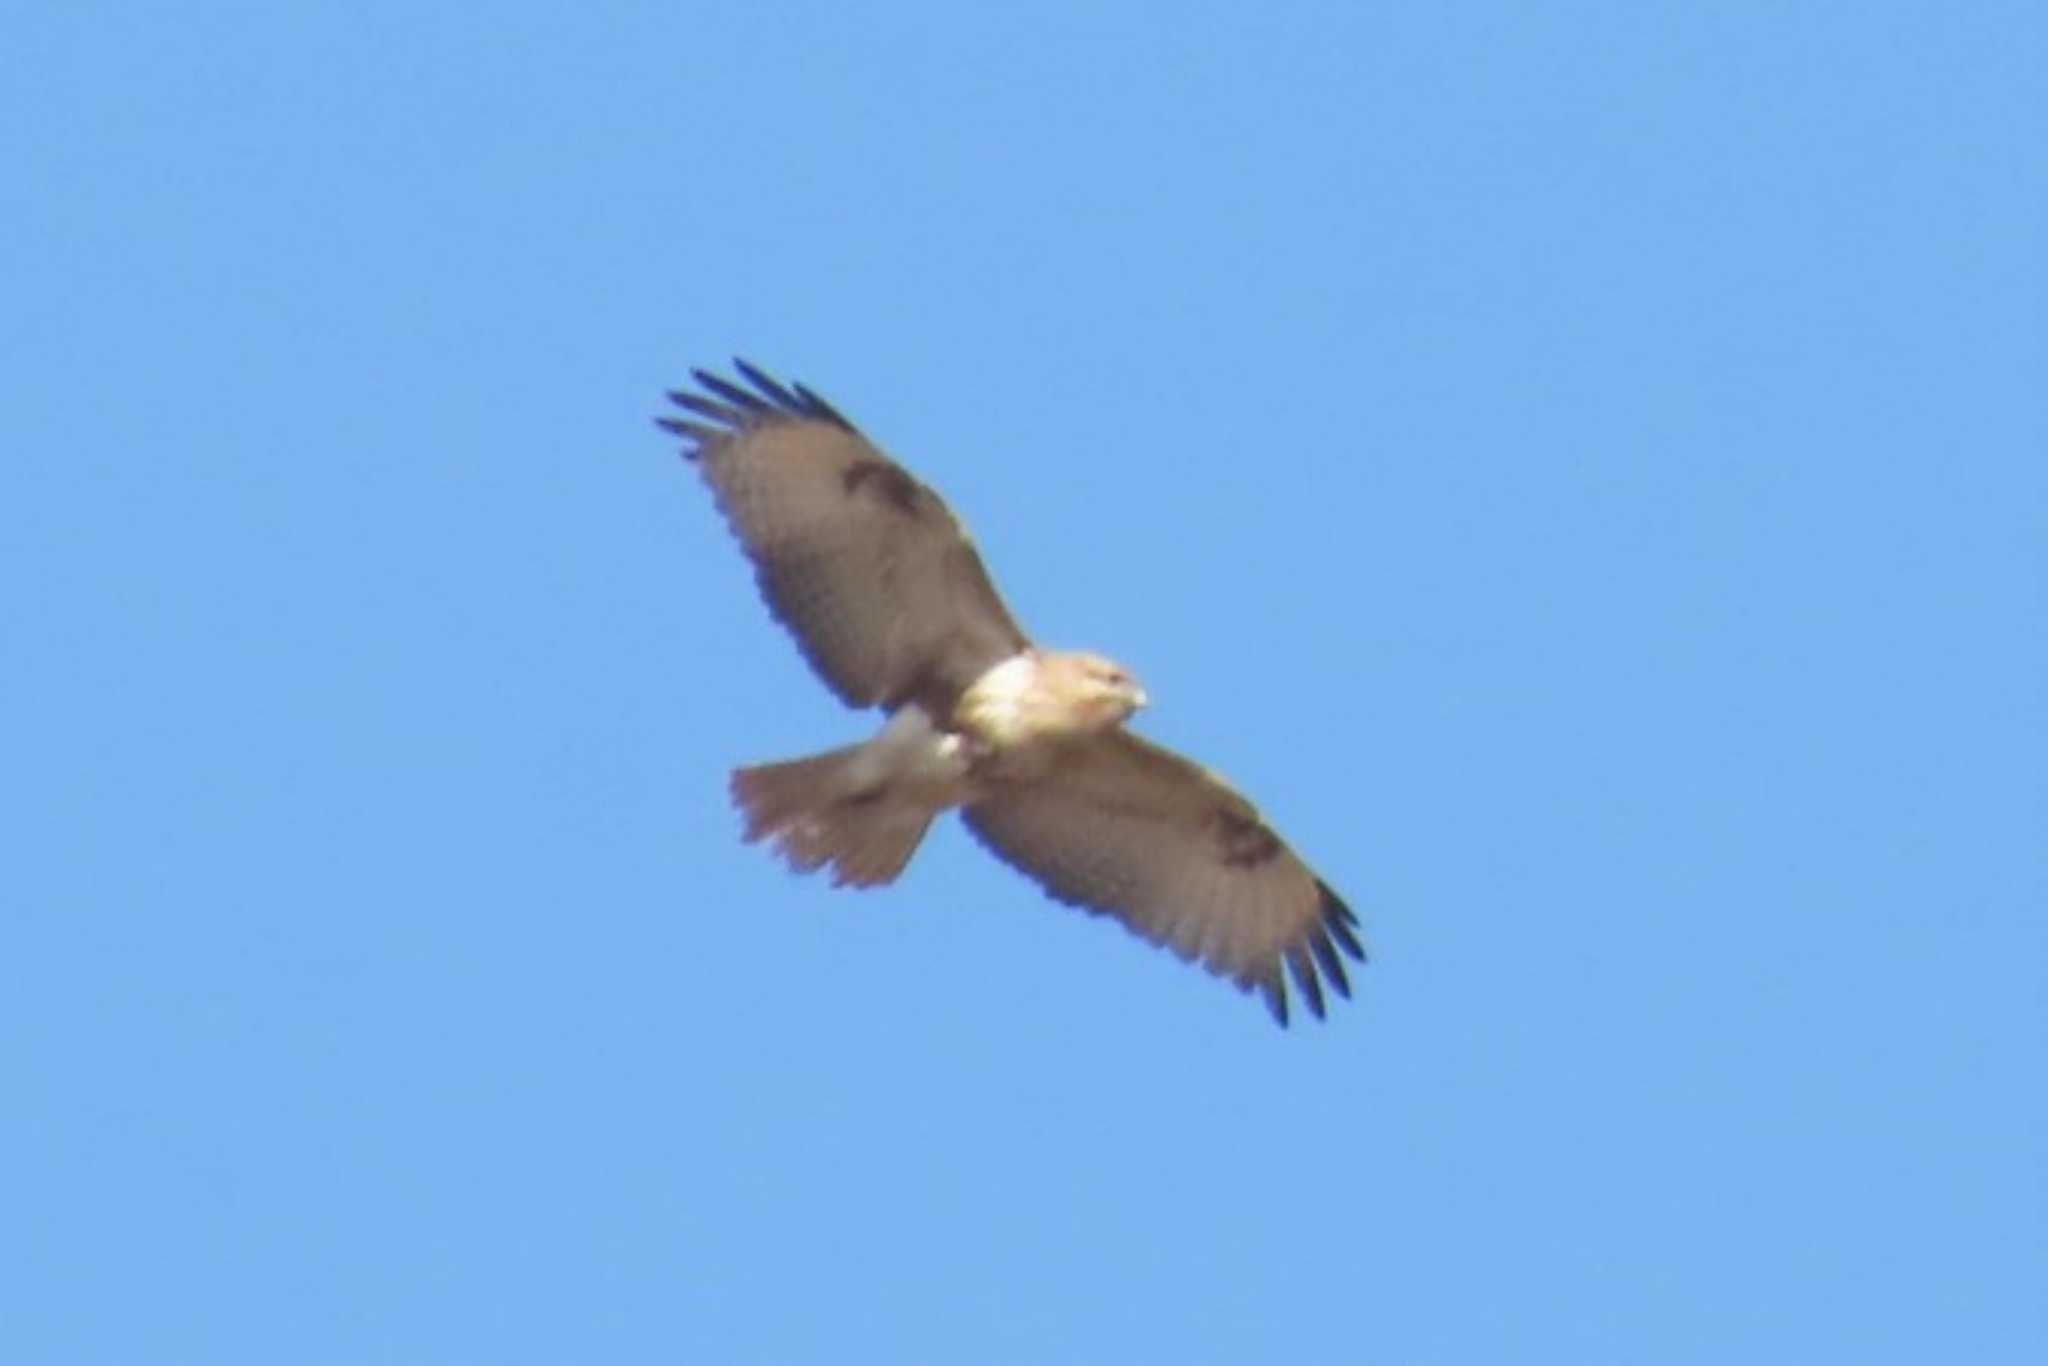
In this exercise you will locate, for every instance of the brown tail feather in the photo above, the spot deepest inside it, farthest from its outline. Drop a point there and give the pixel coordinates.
(818, 816)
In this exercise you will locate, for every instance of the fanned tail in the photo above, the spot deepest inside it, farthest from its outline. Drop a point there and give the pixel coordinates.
(819, 812)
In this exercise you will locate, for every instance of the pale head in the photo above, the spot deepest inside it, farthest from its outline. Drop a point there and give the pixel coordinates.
(1098, 691)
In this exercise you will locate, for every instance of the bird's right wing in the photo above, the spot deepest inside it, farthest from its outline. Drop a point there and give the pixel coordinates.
(868, 568)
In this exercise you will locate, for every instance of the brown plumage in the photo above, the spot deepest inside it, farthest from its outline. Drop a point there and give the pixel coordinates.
(890, 603)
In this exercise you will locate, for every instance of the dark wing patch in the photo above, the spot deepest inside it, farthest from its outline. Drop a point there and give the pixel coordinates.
(891, 484)
(867, 567)
(1130, 830)
(1242, 841)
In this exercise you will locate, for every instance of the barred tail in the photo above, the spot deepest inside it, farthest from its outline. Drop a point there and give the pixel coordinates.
(819, 811)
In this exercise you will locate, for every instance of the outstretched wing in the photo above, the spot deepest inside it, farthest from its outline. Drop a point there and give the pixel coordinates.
(868, 568)
(1128, 829)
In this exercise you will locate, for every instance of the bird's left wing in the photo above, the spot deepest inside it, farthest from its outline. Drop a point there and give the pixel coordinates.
(1128, 829)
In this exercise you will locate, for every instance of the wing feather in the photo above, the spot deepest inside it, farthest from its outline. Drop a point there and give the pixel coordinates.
(768, 385)
(868, 568)
(1128, 829)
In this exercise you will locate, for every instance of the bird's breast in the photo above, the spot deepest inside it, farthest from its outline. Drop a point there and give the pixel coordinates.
(1002, 708)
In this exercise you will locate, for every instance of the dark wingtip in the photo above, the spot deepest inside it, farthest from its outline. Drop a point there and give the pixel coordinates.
(1274, 989)
(1327, 959)
(696, 433)
(1340, 922)
(705, 407)
(745, 399)
(1312, 961)
(1303, 970)
(767, 384)
(730, 407)
(820, 409)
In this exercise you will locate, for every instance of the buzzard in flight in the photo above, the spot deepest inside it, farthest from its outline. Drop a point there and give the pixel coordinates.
(889, 602)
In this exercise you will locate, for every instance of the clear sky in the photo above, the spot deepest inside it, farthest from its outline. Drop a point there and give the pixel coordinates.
(1582, 468)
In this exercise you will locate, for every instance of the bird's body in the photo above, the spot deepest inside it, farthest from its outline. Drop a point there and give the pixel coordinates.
(861, 810)
(891, 605)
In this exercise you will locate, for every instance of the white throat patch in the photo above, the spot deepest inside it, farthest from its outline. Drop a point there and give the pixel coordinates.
(995, 706)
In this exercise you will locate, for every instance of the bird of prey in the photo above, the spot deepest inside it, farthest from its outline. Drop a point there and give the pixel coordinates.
(888, 600)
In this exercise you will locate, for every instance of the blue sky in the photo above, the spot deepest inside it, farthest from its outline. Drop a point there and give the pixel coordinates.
(1579, 467)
